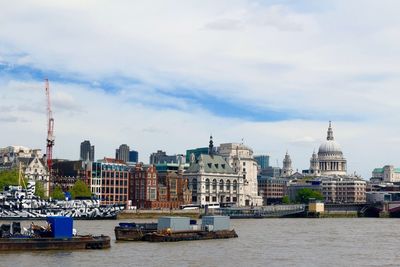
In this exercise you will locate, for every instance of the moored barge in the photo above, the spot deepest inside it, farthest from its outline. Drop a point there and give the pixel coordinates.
(57, 235)
(172, 229)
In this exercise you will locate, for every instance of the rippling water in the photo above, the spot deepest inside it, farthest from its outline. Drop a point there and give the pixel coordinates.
(261, 242)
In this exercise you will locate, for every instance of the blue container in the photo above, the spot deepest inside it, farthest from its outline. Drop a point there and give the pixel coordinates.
(61, 227)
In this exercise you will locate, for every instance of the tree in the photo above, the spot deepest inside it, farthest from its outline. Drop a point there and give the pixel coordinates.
(80, 189)
(58, 193)
(39, 189)
(286, 200)
(304, 195)
(9, 177)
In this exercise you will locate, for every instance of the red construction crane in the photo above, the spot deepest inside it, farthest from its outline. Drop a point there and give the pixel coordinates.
(50, 130)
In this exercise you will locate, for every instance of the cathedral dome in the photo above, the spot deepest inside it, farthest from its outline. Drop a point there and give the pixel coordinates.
(330, 147)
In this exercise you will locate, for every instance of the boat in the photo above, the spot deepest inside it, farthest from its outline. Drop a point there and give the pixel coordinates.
(133, 231)
(17, 203)
(172, 229)
(57, 235)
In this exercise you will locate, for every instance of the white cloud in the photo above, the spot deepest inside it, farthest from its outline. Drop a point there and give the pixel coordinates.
(338, 62)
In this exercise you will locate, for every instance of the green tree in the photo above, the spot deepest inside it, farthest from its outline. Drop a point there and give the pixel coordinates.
(286, 200)
(39, 189)
(304, 195)
(58, 193)
(80, 189)
(8, 177)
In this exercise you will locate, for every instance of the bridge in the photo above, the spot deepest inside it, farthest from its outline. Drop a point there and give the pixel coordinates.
(263, 212)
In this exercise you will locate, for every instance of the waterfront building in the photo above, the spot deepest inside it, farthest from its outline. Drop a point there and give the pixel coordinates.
(162, 157)
(196, 152)
(330, 160)
(143, 185)
(344, 190)
(388, 174)
(212, 180)
(108, 180)
(34, 169)
(263, 161)
(87, 151)
(240, 158)
(67, 172)
(338, 189)
(271, 189)
(133, 156)
(287, 169)
(173, 190)
(122, 153)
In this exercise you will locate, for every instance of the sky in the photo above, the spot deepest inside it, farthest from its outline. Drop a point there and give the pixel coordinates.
(167, 74)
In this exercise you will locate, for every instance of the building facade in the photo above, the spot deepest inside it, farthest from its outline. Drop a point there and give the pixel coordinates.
(35, 169)
(263, 161)
(287, 169)
(330, 160)
(67, 172)
(160, 157)
(143, 186)
(122, 153)
(108, 180)
(87, 151)
(388, 174)
(272, 189)
(213, 181)
(240, 158)
(133, 156)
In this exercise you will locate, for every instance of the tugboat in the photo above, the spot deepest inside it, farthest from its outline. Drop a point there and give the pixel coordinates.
(172, 229)
(57, 235)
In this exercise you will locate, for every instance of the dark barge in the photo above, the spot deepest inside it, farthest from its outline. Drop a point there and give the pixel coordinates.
(189, 235)
(172, 229)
(49, 243)
(58, 234)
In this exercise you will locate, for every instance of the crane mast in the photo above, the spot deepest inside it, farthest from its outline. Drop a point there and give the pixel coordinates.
(50, 130)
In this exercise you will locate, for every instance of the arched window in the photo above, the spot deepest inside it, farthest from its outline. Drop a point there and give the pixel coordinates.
(228, 185)
(214, 185)
(221, 185)
(194, 184)
(234, 185)
(207, 185)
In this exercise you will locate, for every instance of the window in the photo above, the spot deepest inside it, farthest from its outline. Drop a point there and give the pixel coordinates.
(221, 185)
(207, 185)
(234, 185)
(207, 198)
(214, 199)
(214, 185)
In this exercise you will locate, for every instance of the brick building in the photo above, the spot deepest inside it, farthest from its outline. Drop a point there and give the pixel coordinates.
(143, 186)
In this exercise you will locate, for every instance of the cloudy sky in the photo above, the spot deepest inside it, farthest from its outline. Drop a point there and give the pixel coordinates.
(166, 74)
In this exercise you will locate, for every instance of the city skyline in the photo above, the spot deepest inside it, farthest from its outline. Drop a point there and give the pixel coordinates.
(163, 76)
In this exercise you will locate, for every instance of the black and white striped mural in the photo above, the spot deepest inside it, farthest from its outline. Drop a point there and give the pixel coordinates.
(20, 204)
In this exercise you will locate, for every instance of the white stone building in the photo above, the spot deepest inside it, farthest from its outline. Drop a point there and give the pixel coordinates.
(34, 169)
(287, 169)
(388, 174)
(213, 181)
(330, 160)
(240, 158)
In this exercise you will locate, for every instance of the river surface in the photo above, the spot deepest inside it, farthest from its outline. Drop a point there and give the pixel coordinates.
(261, 242)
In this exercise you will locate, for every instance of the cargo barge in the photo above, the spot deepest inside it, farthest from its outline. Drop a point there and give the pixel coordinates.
(172, 229)
(57, 235)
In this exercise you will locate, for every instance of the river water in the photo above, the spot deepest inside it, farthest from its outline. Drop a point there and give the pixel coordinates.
(261, 242)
